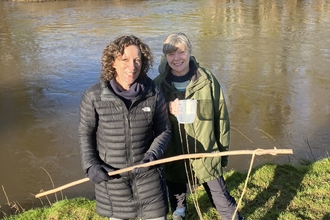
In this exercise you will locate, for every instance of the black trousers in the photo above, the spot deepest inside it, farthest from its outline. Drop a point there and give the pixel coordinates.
(217, 192)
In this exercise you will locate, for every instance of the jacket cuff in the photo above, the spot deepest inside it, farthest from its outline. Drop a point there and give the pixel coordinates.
(224, 161)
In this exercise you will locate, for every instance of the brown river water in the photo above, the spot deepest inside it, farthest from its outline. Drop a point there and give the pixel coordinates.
(271, 57)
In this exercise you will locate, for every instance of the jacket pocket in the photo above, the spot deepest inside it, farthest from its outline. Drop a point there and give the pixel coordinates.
(205, 109)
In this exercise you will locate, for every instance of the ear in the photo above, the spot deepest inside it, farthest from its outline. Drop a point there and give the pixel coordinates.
(116, 63)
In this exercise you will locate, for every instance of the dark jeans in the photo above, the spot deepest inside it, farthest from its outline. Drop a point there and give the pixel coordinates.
(217, 192)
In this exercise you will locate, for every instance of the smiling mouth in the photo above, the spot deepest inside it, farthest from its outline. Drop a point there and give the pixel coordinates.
(178, 64)
(130, 74)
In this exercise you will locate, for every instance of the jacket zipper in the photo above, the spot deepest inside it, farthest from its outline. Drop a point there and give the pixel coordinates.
(130, 161)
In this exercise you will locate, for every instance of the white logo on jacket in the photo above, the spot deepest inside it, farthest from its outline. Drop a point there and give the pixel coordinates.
(146, 109)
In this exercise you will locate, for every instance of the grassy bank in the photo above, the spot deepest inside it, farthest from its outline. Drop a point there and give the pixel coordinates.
(273, 192)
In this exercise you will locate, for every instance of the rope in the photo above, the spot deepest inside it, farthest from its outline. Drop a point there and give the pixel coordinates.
(245, 184)
(194, 178)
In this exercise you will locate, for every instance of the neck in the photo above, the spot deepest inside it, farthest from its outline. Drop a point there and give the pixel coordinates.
(182, 73)
(123, 87)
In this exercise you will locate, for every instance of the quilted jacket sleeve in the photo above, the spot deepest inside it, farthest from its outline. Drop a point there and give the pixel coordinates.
(162, 127)
(87, 132)
(222, 123)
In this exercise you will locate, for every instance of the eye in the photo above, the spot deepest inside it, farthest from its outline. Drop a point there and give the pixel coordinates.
(138, 61)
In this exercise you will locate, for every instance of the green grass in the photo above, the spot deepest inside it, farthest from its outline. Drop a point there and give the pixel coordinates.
(282, 192)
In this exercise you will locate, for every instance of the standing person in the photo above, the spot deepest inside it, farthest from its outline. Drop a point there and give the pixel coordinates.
(124, 122)
(181, 77)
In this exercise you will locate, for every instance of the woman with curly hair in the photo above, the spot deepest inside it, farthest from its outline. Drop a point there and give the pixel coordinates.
(124, 122)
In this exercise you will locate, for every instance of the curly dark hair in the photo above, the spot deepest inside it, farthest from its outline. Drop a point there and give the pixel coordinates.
(116, 48)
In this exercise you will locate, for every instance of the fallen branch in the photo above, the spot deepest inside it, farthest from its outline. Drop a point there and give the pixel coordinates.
(175, 158)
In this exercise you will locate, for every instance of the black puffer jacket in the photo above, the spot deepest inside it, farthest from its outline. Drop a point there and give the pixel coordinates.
(110, 133)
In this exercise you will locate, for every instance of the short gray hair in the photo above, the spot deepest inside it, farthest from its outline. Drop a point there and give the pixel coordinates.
(172, 41)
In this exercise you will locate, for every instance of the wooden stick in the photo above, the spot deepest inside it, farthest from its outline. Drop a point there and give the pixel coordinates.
(175, 158)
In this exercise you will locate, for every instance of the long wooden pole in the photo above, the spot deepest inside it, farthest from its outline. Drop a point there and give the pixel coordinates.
(175, 158)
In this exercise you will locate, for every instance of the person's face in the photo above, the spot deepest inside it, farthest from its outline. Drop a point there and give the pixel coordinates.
(179, 61)
(128, 66)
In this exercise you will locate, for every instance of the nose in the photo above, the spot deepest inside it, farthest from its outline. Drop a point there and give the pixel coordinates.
(176, 56)
(132, 65)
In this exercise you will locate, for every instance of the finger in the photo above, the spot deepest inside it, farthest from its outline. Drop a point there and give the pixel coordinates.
(104, 176)
(136, 170)
(140, 170)
(108, 169)
(171, 108)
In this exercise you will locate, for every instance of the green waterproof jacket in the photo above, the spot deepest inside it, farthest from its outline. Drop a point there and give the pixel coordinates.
(210, 132)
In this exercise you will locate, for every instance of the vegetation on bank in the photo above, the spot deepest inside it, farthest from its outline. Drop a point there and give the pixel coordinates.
(272, 192)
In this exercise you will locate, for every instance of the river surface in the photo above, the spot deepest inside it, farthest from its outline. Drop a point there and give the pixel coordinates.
(272, 59)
